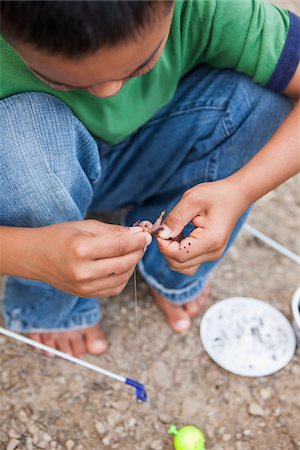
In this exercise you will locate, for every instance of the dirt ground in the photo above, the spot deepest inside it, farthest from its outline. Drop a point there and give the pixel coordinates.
(51, 404)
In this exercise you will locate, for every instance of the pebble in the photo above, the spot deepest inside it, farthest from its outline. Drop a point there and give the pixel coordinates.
(121, 405)
(13, 443)
(106, 440)
(46, 437)
(14, 434)
(254, 409)
(29, 444)
(156, 445)
(69, 444)
(247, 433)
(113, 418)
(131, 422)
(100, 428)
(165, 418)
(266, 393)
(226, 437)
(42, 444)
(277, 412)
(262, 424)
(23, 416)
(295, 369)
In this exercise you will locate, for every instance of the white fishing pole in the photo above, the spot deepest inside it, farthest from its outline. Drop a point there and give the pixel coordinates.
(140, 391)
(275, 245)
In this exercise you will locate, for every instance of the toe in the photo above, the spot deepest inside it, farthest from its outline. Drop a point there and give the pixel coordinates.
(49, 340)
(96, 342)
(78, 344)
(176, 316)
(62, 343)
(193, 308)
(35, 337)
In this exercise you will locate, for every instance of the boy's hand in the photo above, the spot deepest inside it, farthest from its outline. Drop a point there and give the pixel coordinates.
(87, 258)
(214, 209)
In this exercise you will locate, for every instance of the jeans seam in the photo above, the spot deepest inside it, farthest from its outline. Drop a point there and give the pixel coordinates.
(182, 111)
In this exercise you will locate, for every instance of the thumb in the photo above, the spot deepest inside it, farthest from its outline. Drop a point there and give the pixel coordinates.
(177, 219)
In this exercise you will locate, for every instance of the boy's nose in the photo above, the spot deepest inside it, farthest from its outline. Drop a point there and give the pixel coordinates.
(108, 89)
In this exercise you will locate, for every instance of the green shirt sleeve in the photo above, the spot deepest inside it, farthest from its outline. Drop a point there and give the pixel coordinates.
(246, 35)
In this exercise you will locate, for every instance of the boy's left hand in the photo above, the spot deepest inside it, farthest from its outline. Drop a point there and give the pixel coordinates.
(213, 208)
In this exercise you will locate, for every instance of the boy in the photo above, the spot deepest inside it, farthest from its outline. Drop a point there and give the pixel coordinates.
(113, 104)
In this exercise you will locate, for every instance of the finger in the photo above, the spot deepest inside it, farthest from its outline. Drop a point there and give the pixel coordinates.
(108, 267)
(195, 262)
(88, 289)
(111, 244)
(109, 292)
(199, 242)
(183, 213)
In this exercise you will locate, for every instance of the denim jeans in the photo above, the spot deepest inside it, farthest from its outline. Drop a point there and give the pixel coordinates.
(53, 170)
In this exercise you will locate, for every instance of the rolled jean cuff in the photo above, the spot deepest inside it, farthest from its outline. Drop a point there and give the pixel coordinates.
(175, 296)
(34, 306)
(72, 323)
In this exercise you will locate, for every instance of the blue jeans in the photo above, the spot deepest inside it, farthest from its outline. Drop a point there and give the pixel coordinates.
(53, 170)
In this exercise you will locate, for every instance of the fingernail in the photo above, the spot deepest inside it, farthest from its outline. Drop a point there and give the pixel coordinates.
(165, 233)
(183, 324)
(148, 238)
(135, 229)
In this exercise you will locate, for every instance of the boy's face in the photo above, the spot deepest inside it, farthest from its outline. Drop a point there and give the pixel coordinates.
(104, 72)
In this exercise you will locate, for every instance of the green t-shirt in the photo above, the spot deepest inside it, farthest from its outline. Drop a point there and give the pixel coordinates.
(250, 36)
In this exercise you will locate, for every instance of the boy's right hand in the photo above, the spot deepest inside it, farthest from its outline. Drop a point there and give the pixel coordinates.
(87, 258)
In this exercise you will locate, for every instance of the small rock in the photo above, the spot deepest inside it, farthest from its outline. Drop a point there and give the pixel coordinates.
(113, 418)
(46, 437)
(13, 443)
(33, 429)
(23, 416)
(221, 430)
(277, 412)
(254, 409)
(106, 440)
(29, 444)
(69, 444)
(295, 369)
(247, 433)
(226, 437)
(156, 445)
(121, 405)
(42, 444)
(262, 424)
(119, 430)
(131, 422)
(14, 434)
(266, 393)
(165, 418)
(100, 428)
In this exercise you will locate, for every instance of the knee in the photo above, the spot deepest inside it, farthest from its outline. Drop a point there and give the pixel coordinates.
(264, 105)
(45, 154)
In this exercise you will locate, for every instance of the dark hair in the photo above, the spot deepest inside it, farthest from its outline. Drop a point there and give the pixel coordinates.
(75, 28)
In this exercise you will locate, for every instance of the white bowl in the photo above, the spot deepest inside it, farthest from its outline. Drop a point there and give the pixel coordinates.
(296, 313)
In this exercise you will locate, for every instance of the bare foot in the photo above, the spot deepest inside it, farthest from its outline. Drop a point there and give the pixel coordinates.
(75, 342)
(179, 316)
